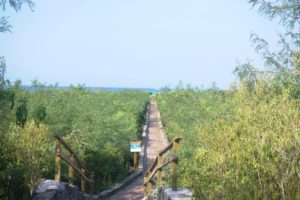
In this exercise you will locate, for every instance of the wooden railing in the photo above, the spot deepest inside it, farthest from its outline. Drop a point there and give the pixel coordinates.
(159, 163)
(74, 163)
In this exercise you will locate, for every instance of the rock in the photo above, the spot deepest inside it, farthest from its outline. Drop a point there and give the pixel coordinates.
(47, 185)
(179, 194)
(168, 194)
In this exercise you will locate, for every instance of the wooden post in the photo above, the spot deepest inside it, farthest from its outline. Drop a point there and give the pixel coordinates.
(159, 172)
(92, 183)
(175, 166)
(145, 186)
(135, 160)
(71, 170)
(82, 181)
(57, 161)
(149, 186)
(145, 191)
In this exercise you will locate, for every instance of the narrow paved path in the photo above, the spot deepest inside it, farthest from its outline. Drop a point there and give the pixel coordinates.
(154, 142)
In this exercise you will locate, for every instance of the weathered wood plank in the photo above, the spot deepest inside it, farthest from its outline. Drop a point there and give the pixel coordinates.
(68, 147)
(175, 166)
(82, 181)
(162, 152)
(78, 170)
(166, 161)
(170, 146)
(71, 170)
(152, 166)
(159, 172)
(57, 161)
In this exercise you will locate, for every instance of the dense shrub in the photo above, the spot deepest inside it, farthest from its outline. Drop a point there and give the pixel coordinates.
(237, 144)
(98, 126)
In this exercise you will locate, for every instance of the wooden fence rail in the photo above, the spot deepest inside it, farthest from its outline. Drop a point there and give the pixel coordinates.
(75, 164)
(159, 163)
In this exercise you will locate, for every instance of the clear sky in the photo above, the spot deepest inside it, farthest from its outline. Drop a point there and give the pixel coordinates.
(132, 43)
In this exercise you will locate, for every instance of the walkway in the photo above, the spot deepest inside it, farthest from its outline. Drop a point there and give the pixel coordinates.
(154, 142)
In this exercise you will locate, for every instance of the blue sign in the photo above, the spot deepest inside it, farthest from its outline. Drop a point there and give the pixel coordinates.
(135, 146)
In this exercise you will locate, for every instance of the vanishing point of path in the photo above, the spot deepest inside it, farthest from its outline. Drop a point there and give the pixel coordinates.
(154, 142)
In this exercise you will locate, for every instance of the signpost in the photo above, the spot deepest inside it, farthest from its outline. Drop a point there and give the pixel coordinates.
(135, 147)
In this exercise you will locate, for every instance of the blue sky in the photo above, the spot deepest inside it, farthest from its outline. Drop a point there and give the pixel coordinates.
(132, 43)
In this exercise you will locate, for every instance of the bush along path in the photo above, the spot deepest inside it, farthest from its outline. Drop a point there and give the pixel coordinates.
(131, 188)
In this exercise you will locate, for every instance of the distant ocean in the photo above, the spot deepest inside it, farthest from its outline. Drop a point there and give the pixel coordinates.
(96, 89)
(117, 89)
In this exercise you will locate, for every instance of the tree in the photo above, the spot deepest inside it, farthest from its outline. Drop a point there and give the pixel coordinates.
(2, 72)
(281, 66)
(31, 150)
(22, 112)
(16, 5)
(7, 96)
(39, 114)
(6, 27)
(288, 11)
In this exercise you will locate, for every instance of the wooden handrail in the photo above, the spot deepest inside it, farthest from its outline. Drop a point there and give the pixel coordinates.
(162, 152)
(159, 163)
(69, 162)
(75, 164)
(170, 146)
(68, 147)
(167, 161)
(152, 165)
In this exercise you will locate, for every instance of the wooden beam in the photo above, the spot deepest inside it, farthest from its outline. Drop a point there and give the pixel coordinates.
(62, 156)
(159, 172)
(162, 152)
(68, 147)
(159, 163)
(177, 139)
(82, 181)
(57, 162)
(153, 165)
(92, 183)
(165, 162)
(135, 160)
(170, 145)
(71, 171)
(145, 187)
(149, 187)
(175, 166)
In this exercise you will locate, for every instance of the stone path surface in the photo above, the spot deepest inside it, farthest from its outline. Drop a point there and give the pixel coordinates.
(154, 142)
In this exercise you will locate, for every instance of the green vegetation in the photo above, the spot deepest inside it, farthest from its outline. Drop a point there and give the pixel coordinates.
(237, 144)
(244, 143)
(98, 125)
